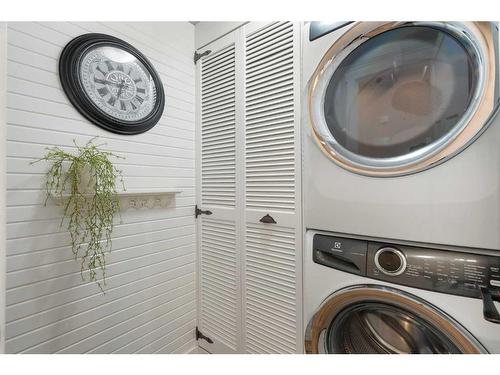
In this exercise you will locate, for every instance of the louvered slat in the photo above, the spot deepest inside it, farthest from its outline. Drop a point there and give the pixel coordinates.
(218, 129)
(218, 307)
(270, 306)
(269, 118)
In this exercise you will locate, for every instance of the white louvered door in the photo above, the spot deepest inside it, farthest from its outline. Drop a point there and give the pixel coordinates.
(219, 315)
(272, 287)
(249, 167)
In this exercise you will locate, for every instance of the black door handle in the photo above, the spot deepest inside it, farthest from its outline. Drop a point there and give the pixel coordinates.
(198, 211)
(268, 219)
(490, 312)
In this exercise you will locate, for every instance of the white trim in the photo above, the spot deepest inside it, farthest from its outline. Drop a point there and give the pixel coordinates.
(3, 253)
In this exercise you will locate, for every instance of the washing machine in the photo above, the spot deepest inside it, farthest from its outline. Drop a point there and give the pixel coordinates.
(400, 133)
(364, 295)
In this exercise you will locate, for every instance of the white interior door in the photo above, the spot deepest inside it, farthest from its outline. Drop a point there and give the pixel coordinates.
(250, 276)
(272, 287)
(219, 294)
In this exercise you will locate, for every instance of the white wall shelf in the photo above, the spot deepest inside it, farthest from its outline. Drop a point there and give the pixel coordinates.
(136, 198)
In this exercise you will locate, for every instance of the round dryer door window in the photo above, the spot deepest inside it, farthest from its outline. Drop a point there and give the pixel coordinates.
(402, 97)
(381, 320)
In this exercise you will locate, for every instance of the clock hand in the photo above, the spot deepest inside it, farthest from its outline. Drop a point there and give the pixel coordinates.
(111, 82)
(120, 89)
(103, 81)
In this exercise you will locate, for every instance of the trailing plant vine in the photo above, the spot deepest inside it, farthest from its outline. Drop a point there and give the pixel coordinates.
(87, 184)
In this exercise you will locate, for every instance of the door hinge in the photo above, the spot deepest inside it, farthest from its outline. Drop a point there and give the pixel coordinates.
(198, 56)
(198, 211)
(200, 335)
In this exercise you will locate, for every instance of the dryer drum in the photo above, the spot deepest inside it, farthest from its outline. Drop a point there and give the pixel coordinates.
(395, 98)
(373, 319)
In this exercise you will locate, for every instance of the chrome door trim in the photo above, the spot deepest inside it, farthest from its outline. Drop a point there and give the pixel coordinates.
(478, 38)
(401, 256)
(315, 335)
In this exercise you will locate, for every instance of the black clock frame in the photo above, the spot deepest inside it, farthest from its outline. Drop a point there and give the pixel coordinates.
(69, 74)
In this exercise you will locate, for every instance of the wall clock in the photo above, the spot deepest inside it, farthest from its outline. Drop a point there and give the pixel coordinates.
(111, 83)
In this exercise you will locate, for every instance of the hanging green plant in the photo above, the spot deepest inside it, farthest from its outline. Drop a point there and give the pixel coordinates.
(87, 184)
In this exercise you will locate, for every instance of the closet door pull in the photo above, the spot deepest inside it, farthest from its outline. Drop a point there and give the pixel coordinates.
(268, 219)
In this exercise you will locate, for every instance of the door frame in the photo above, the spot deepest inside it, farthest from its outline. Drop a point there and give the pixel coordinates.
(3, 175)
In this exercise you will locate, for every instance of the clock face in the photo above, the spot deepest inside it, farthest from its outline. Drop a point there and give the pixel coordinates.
(111, 83)
(117, 83)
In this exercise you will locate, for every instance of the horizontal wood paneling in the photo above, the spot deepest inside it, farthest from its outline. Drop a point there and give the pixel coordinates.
(149, 305)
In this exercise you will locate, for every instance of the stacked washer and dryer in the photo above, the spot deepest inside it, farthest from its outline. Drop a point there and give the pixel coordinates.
(401, 187)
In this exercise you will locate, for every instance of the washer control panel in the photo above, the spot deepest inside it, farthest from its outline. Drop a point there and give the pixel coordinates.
(452, 272)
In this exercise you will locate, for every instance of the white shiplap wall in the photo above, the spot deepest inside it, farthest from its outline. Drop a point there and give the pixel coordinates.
(150, 302)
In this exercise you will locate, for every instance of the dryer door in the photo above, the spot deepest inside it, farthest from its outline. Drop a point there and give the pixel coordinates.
(374, 319)
(395, 98)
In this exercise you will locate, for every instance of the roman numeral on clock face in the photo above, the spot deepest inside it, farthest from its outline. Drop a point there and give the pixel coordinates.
(101, 81)
(120, 67)
(109, 65)
(142, 91)
(139, 99)
(100, 70)
(103, 91)
(133, 105)
(112, 101)
(122, 105)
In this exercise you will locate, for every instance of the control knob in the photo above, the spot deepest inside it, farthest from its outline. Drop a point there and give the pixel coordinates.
(390, 261)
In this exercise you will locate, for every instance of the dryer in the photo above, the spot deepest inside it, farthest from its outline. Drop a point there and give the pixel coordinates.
(364, 295)
(400, 133)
